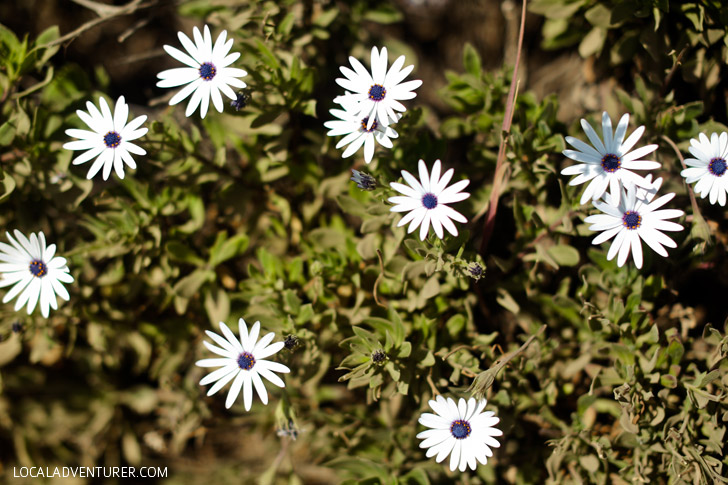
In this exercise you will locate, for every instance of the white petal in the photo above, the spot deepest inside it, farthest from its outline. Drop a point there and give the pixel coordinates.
(249, 345)
(222, 381)
(247, 390)
(593, 137)
(259, 387)
(269, 350)
(235, 389)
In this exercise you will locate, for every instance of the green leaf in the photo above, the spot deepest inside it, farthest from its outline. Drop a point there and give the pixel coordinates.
(286, 24)
(45, 53)
(324, 18)
(9, 187)
(507, 301)
(383, 14)
(267, 56)
(593, 42)
(564, 255)
(188, 286)
(218, 306)
(7, 133)
(471, 60)
(180, 252)
(416, 476)
(223, 249)
(328, 238)
(589, 462)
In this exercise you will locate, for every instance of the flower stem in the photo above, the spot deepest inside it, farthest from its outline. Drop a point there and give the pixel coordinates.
(500, 170)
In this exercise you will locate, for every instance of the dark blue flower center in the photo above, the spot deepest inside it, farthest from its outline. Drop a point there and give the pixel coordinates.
(207, 71)
(112, 139)
(364, 124)
(460, 429)
(246, 361)
(429, 201)
(38, 268)
(377, 92)
(631, 220)
(717, 166)
(611, 163)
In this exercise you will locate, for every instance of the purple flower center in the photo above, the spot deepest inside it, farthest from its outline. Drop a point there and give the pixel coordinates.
(611, 163)
(717, 166)
(38, 268)
(631, 220)
(377, 92)
(364, 123)
(207, 71)
(246, 361)
(460, 429)
(429, 201)
(112, 139)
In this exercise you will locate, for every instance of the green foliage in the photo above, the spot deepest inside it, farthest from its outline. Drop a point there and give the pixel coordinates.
(599, 374)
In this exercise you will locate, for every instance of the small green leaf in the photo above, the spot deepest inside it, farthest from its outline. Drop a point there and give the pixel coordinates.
(183, 253)
(228, 249)
(384, 14)
(564, 255)
(267, 56)
(471, 60)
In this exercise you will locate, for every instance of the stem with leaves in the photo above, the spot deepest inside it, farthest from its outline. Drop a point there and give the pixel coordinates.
(485, 379)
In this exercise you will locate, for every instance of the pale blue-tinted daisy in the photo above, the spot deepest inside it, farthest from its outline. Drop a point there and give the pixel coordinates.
(634, 219)
(357, 134)
(709, 166)
(34, 270)
(207, 74)
(426, 200)
(608, 164)
(242, 360)
(463, 430)
(377, 95)
(109, 140)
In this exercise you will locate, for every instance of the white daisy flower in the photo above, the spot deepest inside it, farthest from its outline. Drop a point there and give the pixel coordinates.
(242, 360)
(461, 430)
(208, 73)
(357, 133)
(109, 140)
(608, 164)
(709, 166)
(30, 265)
(634, 219)
(378, 94)
(425, 201)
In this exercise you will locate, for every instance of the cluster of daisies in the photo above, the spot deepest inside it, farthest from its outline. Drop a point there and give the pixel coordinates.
(625, 199)
(206, 76)
(30, 266)
(462, 430)
(371, 105)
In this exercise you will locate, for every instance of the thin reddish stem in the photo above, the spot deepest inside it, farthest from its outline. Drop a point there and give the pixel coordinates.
(499, 168)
